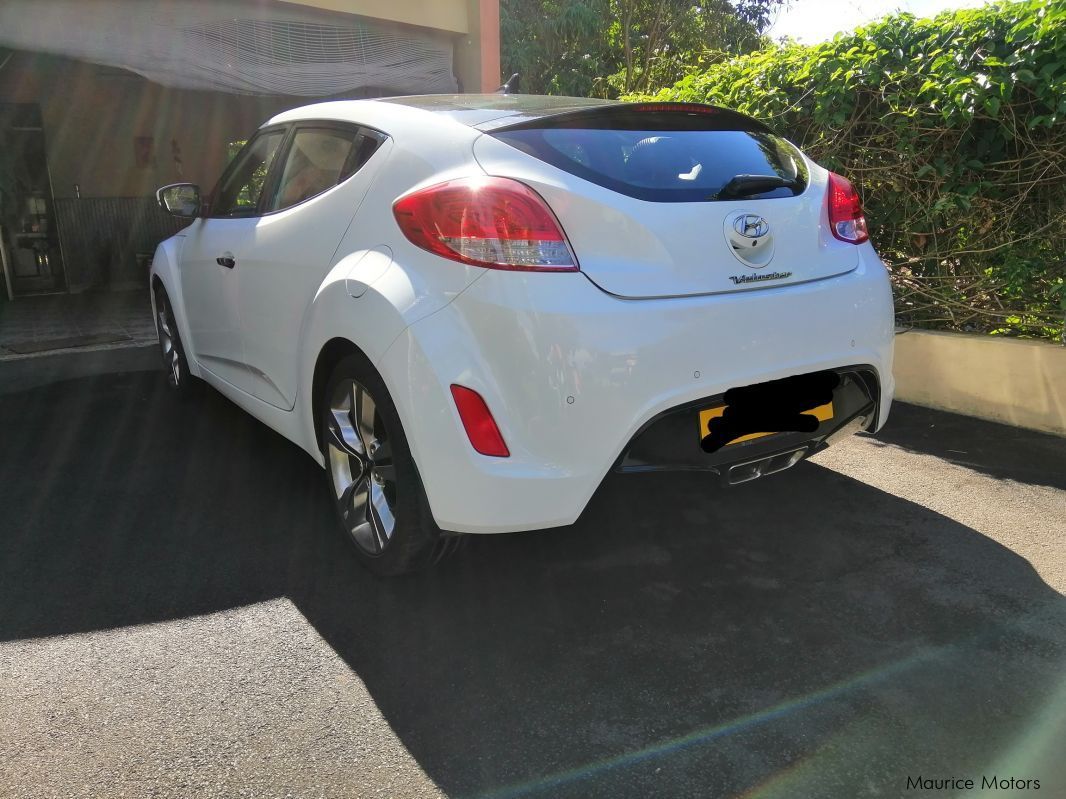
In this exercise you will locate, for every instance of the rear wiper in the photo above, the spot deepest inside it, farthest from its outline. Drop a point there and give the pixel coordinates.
(747, 185)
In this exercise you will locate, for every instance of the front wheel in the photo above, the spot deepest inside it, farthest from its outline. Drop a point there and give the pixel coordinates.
(175, 362)
(375, 486)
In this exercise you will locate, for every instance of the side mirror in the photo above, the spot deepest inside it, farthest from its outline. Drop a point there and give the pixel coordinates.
(180, 199)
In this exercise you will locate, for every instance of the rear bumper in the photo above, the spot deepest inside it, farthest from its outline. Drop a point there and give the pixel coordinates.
(671, 440)
(572, 375)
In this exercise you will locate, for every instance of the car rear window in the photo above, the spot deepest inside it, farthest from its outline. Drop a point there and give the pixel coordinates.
(662, 157)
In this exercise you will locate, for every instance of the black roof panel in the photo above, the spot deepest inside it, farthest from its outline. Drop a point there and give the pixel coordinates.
(482, 110)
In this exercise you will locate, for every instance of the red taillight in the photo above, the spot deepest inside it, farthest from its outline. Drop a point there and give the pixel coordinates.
(493, 222)
(477, 420)
(845, 211)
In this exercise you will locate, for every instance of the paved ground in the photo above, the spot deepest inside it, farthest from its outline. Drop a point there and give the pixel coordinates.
(99, 319)
(178, 618)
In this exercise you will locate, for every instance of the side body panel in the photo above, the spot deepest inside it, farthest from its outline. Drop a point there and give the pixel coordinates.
(279, 273)
(211, 295)
(379, 283)
(166, 267)
(376, 283)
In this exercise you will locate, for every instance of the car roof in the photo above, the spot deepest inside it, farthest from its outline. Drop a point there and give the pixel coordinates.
(487, 111)
(480, 112)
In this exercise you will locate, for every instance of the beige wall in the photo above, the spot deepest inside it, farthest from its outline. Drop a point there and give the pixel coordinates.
(476, 24)
(1014, 381)
(477, 54)
(445, 15)
(92, 115)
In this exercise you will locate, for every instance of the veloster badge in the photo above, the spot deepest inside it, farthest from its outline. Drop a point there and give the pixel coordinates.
(738, 279)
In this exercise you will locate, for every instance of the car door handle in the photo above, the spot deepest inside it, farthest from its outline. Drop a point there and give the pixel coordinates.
(227, 260)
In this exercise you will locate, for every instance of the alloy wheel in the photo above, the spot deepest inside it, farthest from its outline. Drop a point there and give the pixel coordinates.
(361, 466)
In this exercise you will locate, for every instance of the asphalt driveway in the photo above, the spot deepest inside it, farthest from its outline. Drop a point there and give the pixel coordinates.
(178, 617)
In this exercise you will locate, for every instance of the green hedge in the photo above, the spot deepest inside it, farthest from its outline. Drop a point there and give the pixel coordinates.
(954, 130)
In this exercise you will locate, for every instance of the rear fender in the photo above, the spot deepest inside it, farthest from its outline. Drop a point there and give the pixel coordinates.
(363, 300)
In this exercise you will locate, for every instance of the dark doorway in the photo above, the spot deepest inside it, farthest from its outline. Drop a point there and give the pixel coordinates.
(33, 261)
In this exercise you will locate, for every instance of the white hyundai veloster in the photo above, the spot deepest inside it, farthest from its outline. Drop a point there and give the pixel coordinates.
(470, 309)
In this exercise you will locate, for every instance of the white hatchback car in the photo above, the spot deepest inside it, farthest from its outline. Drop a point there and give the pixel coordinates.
(469, 309)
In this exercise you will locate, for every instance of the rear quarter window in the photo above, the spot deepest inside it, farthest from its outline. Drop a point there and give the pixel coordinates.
(661, 164)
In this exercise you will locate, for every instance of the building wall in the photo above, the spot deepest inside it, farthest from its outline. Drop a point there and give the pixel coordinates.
(93, 117)
(477, 53)
(113, 137)
(476, 24)
(445, 15)
(117, 137)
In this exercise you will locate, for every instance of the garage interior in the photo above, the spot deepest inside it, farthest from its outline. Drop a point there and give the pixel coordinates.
(95, 116)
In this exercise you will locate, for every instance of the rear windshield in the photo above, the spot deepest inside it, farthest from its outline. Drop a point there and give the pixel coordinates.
(664, 165)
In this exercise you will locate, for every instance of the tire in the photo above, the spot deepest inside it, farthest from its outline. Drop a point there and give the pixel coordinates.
(374, 484)
(175, 362)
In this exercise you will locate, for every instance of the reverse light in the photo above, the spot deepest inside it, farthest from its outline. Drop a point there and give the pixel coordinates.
(846, 219)
(477, 420)
(493, 222)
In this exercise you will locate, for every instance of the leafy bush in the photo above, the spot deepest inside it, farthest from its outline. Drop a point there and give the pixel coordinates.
(954, 130)
(605, 47)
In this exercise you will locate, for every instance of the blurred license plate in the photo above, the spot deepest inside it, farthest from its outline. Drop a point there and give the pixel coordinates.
(822, 413)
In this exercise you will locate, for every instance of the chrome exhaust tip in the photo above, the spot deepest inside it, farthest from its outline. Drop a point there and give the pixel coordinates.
(752, 470)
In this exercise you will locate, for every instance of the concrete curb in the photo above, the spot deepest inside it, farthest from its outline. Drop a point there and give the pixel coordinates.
(1015, 381)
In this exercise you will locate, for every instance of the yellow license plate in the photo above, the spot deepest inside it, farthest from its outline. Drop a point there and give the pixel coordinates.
(822, 413)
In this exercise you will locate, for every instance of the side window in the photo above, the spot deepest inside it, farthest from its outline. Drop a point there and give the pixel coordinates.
(319, 159)
(366, 144)
(242, 185)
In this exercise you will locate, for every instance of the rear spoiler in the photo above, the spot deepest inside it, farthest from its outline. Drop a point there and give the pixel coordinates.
(636, 116)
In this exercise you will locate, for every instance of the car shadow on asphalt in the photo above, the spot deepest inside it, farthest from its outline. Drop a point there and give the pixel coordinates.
(998, 450)
(805, 635)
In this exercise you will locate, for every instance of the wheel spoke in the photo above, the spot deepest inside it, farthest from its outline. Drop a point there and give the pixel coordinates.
(379, 514)
(362, 467)
(163, 323)
(166, 339)
(364, 415)
(340, 467)
(353, 501)
(360, 521)
(341, 435)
